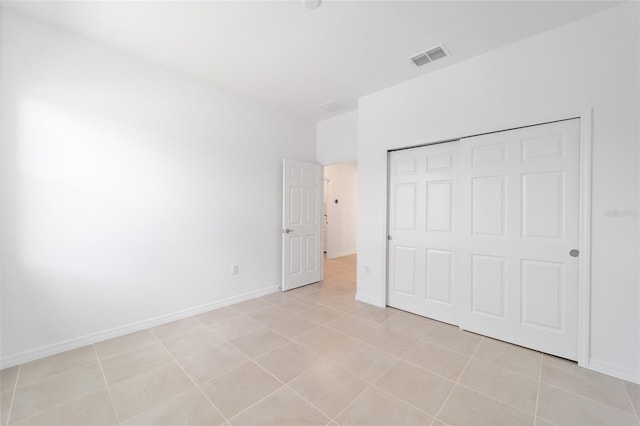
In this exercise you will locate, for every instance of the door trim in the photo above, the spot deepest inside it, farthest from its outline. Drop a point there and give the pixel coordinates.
(584, 233)
(584, 261)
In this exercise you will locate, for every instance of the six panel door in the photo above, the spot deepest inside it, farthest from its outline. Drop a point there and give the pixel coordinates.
(520, 200)
(302, 258)
(424, 231)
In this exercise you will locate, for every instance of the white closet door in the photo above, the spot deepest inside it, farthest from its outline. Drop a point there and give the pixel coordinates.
(482, 232)
(520, 200)
(423, 231)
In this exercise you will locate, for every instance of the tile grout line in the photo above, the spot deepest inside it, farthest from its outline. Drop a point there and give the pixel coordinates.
(371, 384)
(535, 411)
(285, 385)
(190, 379)
(457, 380)
(633, 407)
(421, 339)
(60, 404)
(332, 364)
(251, 360)
(58, 374)
(13, 395)
(494, 399)
(106, 384)
(358, 340)
(587, 398)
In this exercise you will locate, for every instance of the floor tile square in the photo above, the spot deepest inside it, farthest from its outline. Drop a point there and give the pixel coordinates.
(212, 362)
(93, 409)
(288, 361)
(363, 360)
(235, 327)
(389, 340)
(564, 408)
(281, 408)
(56, 390)
(328, 387)
(511, 357)
(192, 341)
(293, 326)
(237, 389)
(259, 342)
(139, 393)
(567, 375)
(453, 339)
(416, 386)
(465, 407)
(217, 315)
(124, 343)
(43, 368)
(377, 408)
(438, 360)
(137, 361)
(501, 384)
(191, 408)
(177, 328)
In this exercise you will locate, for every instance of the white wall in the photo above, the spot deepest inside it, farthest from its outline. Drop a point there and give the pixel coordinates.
(337, 139)
(342, 217)
(592, 63)
(128, 192)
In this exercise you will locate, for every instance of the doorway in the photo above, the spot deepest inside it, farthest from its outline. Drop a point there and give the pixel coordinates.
(340, 209)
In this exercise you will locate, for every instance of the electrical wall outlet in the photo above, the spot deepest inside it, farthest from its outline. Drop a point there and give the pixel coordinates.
(234, 269)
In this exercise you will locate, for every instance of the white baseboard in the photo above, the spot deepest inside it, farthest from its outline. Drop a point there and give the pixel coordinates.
(88, 339)
(370, 300)
(605, 367)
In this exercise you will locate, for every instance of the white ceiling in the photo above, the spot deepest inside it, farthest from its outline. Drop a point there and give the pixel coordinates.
(283, 54)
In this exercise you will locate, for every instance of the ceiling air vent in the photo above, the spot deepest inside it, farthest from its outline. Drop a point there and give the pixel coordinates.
(430, 55)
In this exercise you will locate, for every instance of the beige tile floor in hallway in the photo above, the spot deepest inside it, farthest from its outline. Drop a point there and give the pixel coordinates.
(311, 356)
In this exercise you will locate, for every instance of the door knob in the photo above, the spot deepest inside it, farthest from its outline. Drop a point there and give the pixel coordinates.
(574, 253)
(286, 231)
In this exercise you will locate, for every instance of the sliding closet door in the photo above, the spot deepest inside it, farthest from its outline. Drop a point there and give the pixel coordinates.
(483, 233)
(520, 200)
(423, 231)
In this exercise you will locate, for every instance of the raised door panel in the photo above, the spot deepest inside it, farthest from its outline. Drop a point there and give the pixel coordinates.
(543, 205)
(488, 285)
(543, 294)
(404, 206)
(439, 206)
(404, 270)
(488, 209)
(439, 276)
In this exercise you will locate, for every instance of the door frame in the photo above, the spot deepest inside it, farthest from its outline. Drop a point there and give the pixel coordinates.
(585, 212)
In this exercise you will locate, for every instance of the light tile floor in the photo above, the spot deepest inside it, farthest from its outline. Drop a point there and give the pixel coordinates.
(311, 356)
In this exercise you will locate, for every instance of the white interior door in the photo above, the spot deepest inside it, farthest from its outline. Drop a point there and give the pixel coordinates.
(423, 231)
(520, 198)
(301, 224)
(482, 232)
